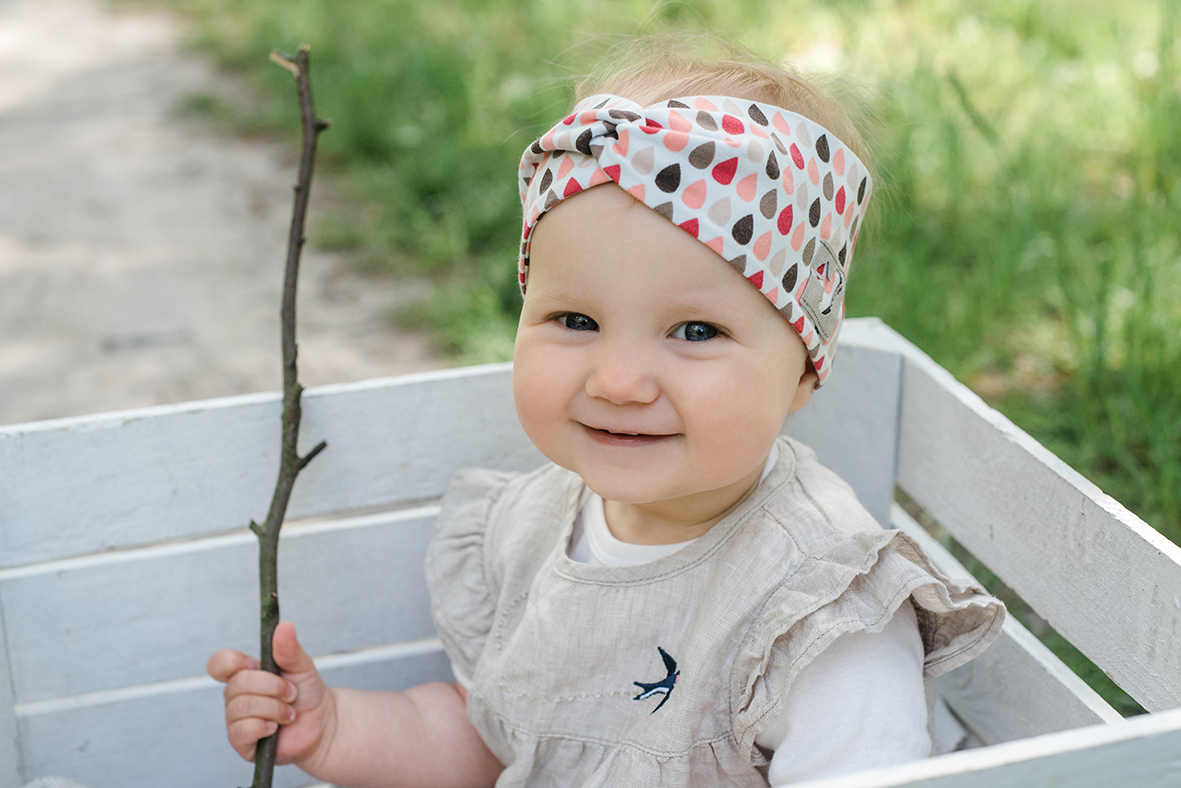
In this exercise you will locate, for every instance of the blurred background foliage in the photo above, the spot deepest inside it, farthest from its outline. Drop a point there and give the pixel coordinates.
(1025, 231)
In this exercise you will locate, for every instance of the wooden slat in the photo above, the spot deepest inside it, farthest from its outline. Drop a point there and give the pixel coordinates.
(1017, 688)
(10, 765)
(78, 486)
(153, 614)
(1140, 753)
(174, 735)
(852, 421)
(1096, 572)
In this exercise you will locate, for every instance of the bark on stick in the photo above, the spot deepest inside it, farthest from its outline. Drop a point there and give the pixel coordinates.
(290, 463)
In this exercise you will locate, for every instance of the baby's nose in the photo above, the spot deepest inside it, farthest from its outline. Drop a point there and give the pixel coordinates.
(623, 374)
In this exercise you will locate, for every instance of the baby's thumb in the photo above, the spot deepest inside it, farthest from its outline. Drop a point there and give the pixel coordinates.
(289, 655)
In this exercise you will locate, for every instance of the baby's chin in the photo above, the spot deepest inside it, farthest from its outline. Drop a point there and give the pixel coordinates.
(631, 491)
(622, 486)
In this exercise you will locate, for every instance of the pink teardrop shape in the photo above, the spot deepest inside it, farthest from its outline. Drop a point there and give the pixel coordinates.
(763, 246)
(621, 146)
(797, 238)
(675, 141)
(694, 195)
(678, 122)
(747, 186)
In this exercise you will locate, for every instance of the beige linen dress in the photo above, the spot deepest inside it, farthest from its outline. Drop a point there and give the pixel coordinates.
(570, 685)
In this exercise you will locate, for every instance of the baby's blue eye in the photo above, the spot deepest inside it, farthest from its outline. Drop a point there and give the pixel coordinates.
(695, 332)
(577, 322)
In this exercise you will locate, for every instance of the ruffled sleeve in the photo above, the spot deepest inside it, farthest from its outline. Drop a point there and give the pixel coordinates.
(462, 596)
(855, 586)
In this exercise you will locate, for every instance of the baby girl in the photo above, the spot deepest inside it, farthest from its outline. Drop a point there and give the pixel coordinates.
(681, 597)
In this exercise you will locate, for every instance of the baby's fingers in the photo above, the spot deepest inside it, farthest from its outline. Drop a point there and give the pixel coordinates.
(251, 683)
(252, 717)
(244, 735)
(223, 664)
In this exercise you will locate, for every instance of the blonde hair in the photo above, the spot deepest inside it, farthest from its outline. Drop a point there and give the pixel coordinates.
(654, 69)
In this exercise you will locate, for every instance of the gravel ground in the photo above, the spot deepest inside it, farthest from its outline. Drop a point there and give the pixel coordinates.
(141, 251)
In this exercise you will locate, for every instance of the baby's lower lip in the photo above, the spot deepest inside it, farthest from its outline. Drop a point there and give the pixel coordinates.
(609, 438)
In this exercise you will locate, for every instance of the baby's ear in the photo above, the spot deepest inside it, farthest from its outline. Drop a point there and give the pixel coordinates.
(807, 385)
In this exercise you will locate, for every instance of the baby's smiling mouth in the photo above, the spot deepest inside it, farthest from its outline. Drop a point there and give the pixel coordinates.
(622, 437)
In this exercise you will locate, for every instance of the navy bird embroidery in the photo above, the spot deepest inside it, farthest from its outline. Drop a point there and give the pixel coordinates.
(664, 686)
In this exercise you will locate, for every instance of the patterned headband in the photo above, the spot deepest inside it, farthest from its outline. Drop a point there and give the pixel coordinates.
(773, 193)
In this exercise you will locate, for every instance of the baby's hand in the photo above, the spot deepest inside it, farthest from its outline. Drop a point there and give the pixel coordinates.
(257, 702)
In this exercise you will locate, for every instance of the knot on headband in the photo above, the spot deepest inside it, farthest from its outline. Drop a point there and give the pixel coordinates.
(773, 193)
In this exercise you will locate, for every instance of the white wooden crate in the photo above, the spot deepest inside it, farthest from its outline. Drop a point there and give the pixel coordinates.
(124, 561)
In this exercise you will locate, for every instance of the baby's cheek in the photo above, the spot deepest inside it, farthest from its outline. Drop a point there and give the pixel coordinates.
(537, 404)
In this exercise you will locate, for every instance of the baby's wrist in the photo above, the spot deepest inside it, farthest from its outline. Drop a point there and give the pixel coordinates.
(317, 760)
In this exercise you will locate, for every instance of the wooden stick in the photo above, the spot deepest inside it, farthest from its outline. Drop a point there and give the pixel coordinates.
(290, 463)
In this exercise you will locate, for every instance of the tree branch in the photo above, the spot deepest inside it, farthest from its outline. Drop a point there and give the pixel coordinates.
(290, 463)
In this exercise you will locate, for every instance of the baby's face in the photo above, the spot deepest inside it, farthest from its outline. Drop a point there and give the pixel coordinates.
(643, 361)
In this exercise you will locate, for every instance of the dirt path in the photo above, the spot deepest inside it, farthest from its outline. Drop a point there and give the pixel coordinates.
(141, 252)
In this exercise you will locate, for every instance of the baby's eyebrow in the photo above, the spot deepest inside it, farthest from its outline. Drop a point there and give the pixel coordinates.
(709, 306)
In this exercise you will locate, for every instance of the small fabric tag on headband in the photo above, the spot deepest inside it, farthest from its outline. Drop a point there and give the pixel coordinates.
(771, 192)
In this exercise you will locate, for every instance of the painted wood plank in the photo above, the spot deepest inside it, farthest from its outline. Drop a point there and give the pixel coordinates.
(1097, 573)
(138, 740)
(77, 486)
(852, 421)
(148, 615)
(1141, 752)
(83, 485)
(1017, 688)
(10, 764)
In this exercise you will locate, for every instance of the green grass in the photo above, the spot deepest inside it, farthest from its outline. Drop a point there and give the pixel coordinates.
(1025, 231)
